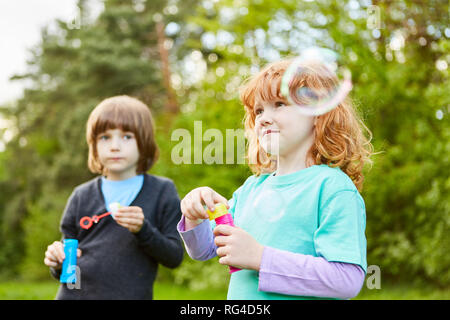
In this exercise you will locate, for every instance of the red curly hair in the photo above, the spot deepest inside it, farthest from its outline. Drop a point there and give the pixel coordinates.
(339, 133)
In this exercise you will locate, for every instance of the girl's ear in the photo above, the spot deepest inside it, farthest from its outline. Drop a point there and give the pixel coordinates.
(315, 121)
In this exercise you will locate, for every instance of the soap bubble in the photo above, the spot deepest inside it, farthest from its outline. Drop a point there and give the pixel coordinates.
(316, 82)
(270, 204)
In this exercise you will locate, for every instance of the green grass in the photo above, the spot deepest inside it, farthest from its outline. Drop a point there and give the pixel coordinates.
(47, 291)
(403, 292)
(28, 290)
(167, 291)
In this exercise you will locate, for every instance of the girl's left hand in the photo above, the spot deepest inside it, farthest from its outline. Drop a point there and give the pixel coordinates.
(237, 248)
(131, 218)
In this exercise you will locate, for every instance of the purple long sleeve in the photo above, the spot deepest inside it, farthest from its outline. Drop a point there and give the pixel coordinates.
(305, 275)
(199, 241)
(283, 271)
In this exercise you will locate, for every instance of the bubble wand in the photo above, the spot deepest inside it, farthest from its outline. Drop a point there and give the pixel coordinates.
(87, 221)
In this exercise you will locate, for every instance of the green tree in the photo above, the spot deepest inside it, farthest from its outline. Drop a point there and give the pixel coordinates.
(398, 52)
(72, 70)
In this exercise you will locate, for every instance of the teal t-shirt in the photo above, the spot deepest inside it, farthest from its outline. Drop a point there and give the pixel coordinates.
(315, 211)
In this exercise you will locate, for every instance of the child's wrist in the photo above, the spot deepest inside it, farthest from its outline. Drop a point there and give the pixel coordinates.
(189, 224)
(258, 257)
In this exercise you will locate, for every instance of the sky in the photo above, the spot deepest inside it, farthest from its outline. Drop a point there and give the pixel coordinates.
(20, 27)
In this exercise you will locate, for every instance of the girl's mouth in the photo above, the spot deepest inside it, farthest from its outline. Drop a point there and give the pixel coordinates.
(269, 131)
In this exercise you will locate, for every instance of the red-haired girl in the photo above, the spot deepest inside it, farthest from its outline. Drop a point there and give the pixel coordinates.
(300, 220)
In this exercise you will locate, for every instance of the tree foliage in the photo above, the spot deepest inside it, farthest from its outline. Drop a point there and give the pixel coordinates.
(401, 84)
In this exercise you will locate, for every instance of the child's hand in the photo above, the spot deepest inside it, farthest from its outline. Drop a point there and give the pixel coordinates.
(54, 256)
(237, 247)
(131, 218)
(192, 203)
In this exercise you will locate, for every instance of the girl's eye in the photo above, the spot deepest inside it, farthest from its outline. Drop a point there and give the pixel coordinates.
(258, 111)
(103, 137)
(280, 104)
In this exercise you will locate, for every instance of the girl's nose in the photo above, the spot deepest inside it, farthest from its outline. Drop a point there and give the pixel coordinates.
(266, 118)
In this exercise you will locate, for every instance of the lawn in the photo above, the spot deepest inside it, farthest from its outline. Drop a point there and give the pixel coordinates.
(168, 291)
(47, 291)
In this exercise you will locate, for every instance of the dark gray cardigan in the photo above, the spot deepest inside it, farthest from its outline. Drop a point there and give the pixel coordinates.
(115, 263)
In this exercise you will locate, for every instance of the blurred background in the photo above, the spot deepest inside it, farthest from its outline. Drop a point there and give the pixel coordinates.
(186, 60)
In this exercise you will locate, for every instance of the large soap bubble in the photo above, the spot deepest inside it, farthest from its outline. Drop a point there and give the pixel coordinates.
(316, 81)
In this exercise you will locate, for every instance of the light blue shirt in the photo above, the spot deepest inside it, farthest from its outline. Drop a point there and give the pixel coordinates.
(315, 211)
(122, 191)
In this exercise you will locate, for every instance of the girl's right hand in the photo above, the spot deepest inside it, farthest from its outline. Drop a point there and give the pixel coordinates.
(192, 204)
(54, 256)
